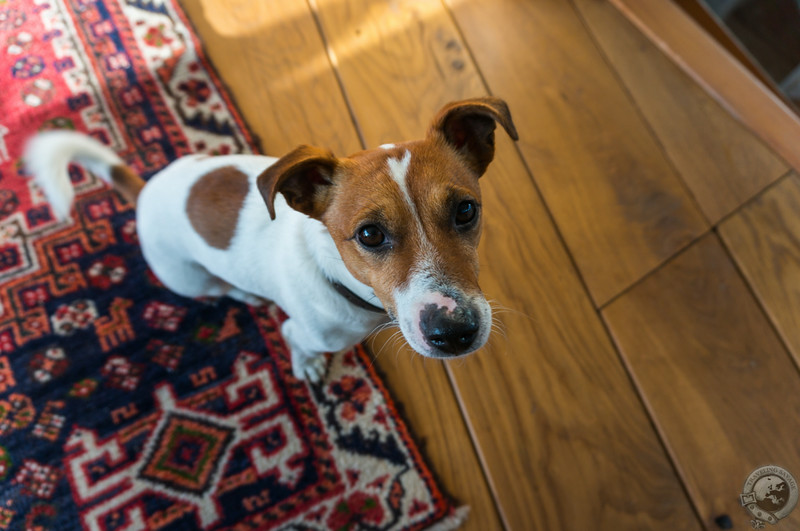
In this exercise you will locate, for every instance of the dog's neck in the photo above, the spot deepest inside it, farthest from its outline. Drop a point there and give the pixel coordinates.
(327, 257)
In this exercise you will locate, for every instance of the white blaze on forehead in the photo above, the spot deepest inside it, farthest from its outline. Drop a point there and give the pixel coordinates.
(386, 146)
(398, 169)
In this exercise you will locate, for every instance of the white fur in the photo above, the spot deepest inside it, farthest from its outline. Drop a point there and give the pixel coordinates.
(424, 288)
(398, 169)
(290, 260)
(425, 285)
(47, 156)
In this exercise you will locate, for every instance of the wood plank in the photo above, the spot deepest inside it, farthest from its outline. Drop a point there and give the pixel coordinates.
(710, 366)
(705, 17)
(272, 57)
(273, 60)
(718, 73)
(721, 161)
(615, 197)
(564, 438)
(423, 391)
(764, 238)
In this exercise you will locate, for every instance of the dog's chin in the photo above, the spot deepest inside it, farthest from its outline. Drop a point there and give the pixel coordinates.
(439, 355)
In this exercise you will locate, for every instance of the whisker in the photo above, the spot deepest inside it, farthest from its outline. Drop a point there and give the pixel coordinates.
(502, 336)
(396, 343)
(499, 308)
(388, 343)
(384, 326)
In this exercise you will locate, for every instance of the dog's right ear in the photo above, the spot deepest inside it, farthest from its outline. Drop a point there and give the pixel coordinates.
(304, 177)
(468, 126)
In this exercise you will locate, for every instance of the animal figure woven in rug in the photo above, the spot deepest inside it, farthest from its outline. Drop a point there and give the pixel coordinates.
(122, 405)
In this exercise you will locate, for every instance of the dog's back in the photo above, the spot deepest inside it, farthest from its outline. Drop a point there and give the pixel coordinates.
(192, 212)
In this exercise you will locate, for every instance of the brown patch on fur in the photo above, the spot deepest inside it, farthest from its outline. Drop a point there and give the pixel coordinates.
(214, 203)
(437, 180)
(127, 182)
(349, 193)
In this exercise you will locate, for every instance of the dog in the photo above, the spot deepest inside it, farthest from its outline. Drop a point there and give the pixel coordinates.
(342, 245)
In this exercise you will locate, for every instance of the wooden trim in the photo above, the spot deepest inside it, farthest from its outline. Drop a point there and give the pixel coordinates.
(719, 73)
(699, 11)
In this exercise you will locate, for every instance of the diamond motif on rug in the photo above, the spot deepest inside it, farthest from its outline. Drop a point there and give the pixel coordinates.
(123, 405)
(186, 454)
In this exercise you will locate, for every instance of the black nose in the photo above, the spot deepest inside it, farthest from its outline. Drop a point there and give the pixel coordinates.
(450, 332)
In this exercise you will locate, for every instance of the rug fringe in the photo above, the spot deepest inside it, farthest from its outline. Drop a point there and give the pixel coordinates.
(454, 521)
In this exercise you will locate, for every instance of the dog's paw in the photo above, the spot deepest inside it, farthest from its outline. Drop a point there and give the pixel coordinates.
(309, 368)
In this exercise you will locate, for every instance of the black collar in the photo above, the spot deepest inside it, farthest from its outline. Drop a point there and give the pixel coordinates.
(355, 299)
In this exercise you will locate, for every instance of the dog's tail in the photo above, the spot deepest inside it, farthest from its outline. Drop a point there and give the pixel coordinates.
(48, 154)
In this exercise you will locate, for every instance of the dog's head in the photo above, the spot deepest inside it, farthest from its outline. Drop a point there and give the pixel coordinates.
(406, 219)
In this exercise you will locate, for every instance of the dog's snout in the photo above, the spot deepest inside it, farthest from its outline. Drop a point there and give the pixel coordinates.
(451, 332)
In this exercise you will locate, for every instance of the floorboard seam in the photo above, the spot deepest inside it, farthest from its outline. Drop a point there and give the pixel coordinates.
(760, 303)
(639, 112)
(334, 62)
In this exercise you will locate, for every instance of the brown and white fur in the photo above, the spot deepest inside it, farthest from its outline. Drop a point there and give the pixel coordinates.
(398, 226)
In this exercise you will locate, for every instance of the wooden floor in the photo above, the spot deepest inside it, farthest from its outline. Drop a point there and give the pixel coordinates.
(645, 245)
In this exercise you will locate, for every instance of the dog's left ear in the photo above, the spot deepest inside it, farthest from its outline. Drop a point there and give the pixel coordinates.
(469, 126)
(304, 177)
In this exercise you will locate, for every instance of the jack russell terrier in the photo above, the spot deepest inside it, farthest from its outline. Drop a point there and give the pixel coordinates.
(337, 243)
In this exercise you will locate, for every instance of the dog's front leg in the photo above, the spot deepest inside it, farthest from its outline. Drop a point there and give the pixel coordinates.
(308, 363)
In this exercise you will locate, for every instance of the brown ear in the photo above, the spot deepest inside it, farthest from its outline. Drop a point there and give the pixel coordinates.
(304, 177)
(469, 126)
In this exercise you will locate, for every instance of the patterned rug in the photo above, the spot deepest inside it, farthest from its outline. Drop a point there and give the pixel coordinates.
(123, 406)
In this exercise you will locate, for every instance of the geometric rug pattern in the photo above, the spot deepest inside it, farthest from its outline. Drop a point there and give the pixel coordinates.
(122, 405)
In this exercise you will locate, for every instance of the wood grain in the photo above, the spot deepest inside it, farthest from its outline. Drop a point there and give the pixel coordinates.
(717, 380)
(711, 23)
(564, 439)
(615, 197)
(723, 163)
(423, 391)
(272, 57)
(718, 73)
(764, 238)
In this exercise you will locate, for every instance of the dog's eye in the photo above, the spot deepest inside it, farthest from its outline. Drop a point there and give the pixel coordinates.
(370, 236)
(465, 213)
